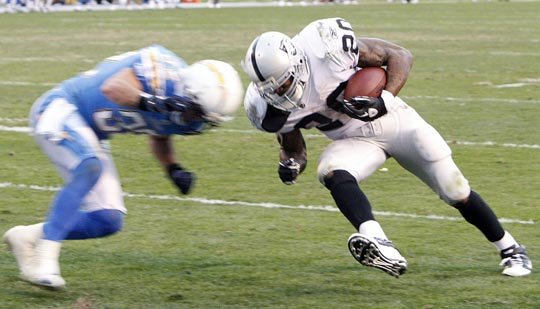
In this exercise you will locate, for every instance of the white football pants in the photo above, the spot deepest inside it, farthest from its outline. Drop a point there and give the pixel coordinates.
(65, 137)
(404, 135)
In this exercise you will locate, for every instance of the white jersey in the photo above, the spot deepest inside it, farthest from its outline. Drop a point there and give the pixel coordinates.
(358, 147)
(332, 53)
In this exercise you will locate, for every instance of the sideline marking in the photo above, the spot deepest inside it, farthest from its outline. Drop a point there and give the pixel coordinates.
(206, 201)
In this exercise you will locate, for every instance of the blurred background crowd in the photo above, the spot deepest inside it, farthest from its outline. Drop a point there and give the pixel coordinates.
(26, 6)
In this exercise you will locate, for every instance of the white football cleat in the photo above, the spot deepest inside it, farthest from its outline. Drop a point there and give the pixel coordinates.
(47, 271)
(51, 281)
(378, 253)
(21, 241)
(516, 262)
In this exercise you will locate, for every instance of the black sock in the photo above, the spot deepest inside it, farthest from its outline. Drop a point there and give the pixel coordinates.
(478, 213)
(351, 201)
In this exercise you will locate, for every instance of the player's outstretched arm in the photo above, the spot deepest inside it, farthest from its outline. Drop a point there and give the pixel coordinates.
(125, 89)
(292, 156)
(163, 150)
(398, 61)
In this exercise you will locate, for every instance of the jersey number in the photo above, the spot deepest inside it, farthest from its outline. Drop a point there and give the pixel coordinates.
(318, 121)
(348, 41)
(123, 121)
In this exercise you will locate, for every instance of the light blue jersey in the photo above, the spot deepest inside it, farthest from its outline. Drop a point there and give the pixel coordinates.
(71, 123)
(158, 71)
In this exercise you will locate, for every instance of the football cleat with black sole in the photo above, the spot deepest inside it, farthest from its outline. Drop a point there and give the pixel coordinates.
(378, 253)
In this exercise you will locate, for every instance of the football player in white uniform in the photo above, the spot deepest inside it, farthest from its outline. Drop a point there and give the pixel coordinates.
(298, 84)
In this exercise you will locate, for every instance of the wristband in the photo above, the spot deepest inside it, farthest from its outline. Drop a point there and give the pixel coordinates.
(147, 102)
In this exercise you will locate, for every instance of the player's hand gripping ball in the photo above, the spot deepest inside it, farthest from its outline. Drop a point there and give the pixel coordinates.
(362, 94)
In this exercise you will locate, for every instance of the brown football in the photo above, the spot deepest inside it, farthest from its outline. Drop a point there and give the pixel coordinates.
(368, 81)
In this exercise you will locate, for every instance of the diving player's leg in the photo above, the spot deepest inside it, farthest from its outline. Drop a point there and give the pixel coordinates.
(73, 147)
(64, 211)
(96, 210)
(21, 241)
(102, 211)
(97, 224)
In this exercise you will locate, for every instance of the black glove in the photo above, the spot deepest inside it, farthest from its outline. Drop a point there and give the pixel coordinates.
(166, 105)
(364, 108)
(183, 179)
(288, 171)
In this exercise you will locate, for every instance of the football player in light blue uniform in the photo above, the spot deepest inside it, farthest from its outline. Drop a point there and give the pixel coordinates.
(150, 91)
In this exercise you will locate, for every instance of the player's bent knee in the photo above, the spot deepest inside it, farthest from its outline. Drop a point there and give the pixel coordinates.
(107, 221)
(89, 169)
(336, 178)
(457, 196)
(112, 228)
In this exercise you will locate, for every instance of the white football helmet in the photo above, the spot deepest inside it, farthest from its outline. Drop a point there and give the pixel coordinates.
(215, 86)
(278, 68)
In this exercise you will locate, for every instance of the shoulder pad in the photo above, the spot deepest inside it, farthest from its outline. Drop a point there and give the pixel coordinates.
(332, 39)
(274, 119)
(263, 116)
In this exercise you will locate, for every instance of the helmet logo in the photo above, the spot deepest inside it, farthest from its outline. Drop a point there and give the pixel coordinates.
(287, 47)
(333, 33)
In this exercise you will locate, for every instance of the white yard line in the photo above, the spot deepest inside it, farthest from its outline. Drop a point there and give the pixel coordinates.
(205, 201)
(461, 100)
(452, 142)
(78, 58)
(488, 143)
(19, 83)
(13, 120)
(15, 129)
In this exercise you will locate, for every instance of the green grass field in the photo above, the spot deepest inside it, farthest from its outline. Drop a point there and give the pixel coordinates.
(476, 78)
